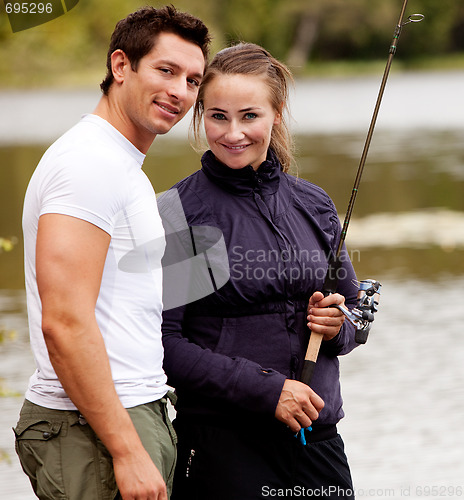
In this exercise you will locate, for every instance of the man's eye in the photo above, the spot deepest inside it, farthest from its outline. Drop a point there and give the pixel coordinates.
(166, 70)
(193, 82)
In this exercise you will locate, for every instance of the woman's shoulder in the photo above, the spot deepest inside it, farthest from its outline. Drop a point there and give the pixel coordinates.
(191, 193)
(309, 193)
(311, 199)
(188, 184)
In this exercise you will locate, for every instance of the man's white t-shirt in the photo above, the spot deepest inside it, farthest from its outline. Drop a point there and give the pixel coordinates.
(95, 174)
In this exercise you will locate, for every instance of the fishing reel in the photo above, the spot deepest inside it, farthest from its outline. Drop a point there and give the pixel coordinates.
(362, 316)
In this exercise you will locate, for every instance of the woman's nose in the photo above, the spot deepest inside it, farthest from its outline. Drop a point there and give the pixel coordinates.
(234, 132)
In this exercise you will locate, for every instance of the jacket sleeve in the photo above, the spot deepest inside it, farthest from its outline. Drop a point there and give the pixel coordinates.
(200, 370)
(344, 342)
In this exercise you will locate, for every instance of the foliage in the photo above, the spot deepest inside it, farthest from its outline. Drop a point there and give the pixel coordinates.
(7, 393)
(6, 335)
(4, 456)
(72, 48)
(7, 244)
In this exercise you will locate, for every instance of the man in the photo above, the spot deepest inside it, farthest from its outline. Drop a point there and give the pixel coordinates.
(94, 421)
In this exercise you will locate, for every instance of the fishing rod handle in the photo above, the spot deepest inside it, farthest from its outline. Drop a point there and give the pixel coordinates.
(312, 352)
(315, 340)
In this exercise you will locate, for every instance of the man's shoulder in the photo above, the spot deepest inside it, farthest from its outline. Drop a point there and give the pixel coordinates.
(82, 165)
(85, 138)
(88, 150)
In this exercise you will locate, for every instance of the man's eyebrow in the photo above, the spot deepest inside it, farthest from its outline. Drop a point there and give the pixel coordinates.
(168, 62)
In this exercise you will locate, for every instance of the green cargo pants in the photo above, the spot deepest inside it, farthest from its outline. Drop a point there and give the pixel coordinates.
(65, 460)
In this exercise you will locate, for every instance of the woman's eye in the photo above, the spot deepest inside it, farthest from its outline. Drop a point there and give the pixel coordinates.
(250, 116)
(218, 116)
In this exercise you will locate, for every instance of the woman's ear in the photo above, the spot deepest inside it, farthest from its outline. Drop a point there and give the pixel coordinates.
(119, 62)
(278, 116)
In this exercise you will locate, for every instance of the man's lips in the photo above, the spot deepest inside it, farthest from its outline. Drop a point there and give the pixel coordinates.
(166, 107)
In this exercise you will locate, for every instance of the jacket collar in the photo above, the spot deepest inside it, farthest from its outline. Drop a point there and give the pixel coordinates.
(244, 181)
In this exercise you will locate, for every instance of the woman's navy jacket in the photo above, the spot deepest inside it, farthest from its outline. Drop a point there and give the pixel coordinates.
(229, 353)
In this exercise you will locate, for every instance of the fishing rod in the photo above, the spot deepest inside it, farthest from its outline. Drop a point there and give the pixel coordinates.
(367, 301)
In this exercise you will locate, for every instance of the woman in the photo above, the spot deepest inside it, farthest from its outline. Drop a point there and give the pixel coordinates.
(235, 356)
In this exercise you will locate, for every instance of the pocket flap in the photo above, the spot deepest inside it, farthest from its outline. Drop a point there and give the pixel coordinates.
(42, 430)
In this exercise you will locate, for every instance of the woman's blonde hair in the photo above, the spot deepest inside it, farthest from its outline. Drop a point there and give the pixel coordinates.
(251, 59)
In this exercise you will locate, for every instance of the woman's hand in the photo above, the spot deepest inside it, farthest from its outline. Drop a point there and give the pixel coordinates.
(324, 319)
(298, 405)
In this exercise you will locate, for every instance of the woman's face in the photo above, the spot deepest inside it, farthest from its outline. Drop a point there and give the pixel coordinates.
(238, 118)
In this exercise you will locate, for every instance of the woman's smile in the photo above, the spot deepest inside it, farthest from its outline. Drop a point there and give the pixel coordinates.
(239, 118)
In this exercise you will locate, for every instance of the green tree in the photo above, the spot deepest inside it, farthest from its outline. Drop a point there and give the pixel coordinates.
(435, 35)
(72, 48)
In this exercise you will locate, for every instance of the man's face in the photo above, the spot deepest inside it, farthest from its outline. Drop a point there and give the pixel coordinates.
(164, 87)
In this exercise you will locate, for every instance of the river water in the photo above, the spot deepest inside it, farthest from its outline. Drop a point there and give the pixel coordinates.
(403, 390)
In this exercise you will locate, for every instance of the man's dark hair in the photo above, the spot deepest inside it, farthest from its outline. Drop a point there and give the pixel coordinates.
(136, 35)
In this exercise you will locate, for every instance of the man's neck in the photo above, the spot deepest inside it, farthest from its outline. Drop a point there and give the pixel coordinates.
(108, 109)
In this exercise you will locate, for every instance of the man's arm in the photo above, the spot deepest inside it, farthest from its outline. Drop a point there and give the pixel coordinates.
(70, 257)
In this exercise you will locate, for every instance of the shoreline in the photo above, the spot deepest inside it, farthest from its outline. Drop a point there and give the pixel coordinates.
(90, 77)
(323, 105)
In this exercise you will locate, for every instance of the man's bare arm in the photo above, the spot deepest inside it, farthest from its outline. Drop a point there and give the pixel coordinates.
(70, 258)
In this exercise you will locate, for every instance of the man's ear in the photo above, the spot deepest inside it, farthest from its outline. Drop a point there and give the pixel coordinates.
(119, 65)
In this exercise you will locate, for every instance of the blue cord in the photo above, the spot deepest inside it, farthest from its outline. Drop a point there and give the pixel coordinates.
(301, 435)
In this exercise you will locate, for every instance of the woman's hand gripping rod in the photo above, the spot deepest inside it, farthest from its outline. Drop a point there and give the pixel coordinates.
(362, 315)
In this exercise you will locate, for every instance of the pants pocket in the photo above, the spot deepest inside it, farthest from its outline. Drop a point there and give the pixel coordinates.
(39, 452)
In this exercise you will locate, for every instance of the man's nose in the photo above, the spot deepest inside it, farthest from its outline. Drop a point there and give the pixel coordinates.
(178, 89)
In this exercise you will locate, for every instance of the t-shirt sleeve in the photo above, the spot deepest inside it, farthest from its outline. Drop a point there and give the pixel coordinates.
(85, 187)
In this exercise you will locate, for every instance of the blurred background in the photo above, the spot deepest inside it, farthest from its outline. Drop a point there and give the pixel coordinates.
(404, 390)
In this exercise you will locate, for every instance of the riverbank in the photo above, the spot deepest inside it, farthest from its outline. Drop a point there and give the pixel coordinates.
(412, 101)
(343, 69)
(90, 75)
